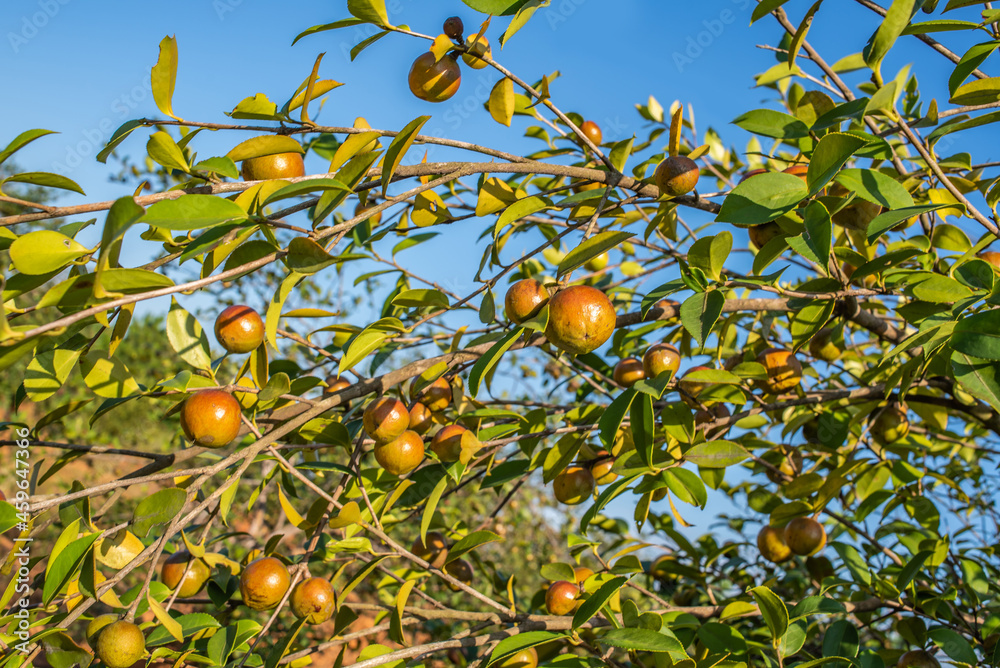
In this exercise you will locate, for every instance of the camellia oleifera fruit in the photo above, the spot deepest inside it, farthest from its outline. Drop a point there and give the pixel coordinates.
(992, 257)
(239, 329)
(313, 600)
(385, 419)
(628, 372)
(761, 234)
(772, 546)
(789, 464)
(526, 658)
(783, 369)
(822, 346)
(96, 625)
(889, 425)
(447, 443)
(601, 469)
(275, 166)
(573, 486)
(805, 536)
(917, 658)
(479, 48)
(676, 175)
(263, 583)
(524, 300)
(581, 319)
(435, 80)
(421, 419)
(402, 454)
(184, 572)
(335, 384)
(433, 550)
(211, 418)
(593, 132)
(435, 396)
(461, 570)
(561, 598)
(661, 358)
(691, 389)
(120, 644)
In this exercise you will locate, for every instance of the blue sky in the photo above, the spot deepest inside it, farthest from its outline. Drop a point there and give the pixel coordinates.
(82, 69)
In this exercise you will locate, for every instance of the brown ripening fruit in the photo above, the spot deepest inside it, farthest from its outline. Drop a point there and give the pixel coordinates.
(789, 465)
(761, 234)
(562, 597)
(3, 497)
(263, 583)
(182, 569)
(420, 418)
(917, 658)
(805, 536)
(120, 644)
(711, 414)
(435, 396)
(628, 372)
(335, 384)
(435, 80)
(573, 486)
(434, 550)
(239, 329)
(601, 470)
(211, 418)
(753, 172)
(276, 166)
(783, 369)
(526, 658)
(447, 443)
(525, 299)
(479, 47)
(677, 175)
(593, 132)
(385, 419)
(856, 215)
(581, 319)
(661, 358)
(772, 546)
(821, 346)
(992, 257)
(454, 28)
(461, 570)
(889, 425)
(581, 573)
(402, 455)
(819, 568)
(313, 600)
(797, 170)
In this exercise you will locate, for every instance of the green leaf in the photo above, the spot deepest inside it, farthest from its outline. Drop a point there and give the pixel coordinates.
(765, 7)
(490, 358)
(106, 376)
(282, 647)
(501, 102)
(700, 312)
(896, 20)
(61, 651)
(977, 91)
(771, 123)
(716, 454)
(841, 639)
(431, 505)
(773, 610)
(119, 135)
(471, 542)
(160, 508)
(257, 107)
(307, 257)
(763, 198)
(519, 209)
(398, 148)
(368, 340)
(44, 251)
(48, 371)
(370, 11)
(256, 147)
(911, 570)
(496, 7)
(884, 222)
(21, 141)
(620, 153)
(710, 253)
(978, 335)
(643, 427)
(187, 337)
(61, 569)
(596, 600)
(515, 643)
(592, 247)
(815, 243)
(300, 188)
(642, 640)
(193, 212)
(954, 645)
(164, 75)
(979, 378)
(875, 187)
(162, 148)
(48, 180)
(972, 59)
(421, 297)
(613, 415)
(939, 290)
(830, 154)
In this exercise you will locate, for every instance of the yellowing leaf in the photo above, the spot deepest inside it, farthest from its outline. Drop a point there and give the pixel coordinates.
(501, 102)
(164, 75)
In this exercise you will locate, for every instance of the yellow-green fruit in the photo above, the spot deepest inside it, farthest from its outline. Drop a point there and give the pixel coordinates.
(573, 486)
(184, 570)
(676, 175)
(889, 425)
(772, 546)
(277, 166)
(461, 570)
(917, 658)
(120, 645)
(402, 455)
(805, 536)
(597, 262)
(447, 443)
(96, 625)
(386, 419)
(581, 319)
(239, 329)
(263, 583)
(526, 658)
(601, 469)
(435, 80)
(477, 48)
(434, 550)
(581, 573)
(783, 369)
(821, 345)
(313, 600)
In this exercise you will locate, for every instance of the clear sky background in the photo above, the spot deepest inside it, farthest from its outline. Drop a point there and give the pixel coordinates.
(82, 68)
